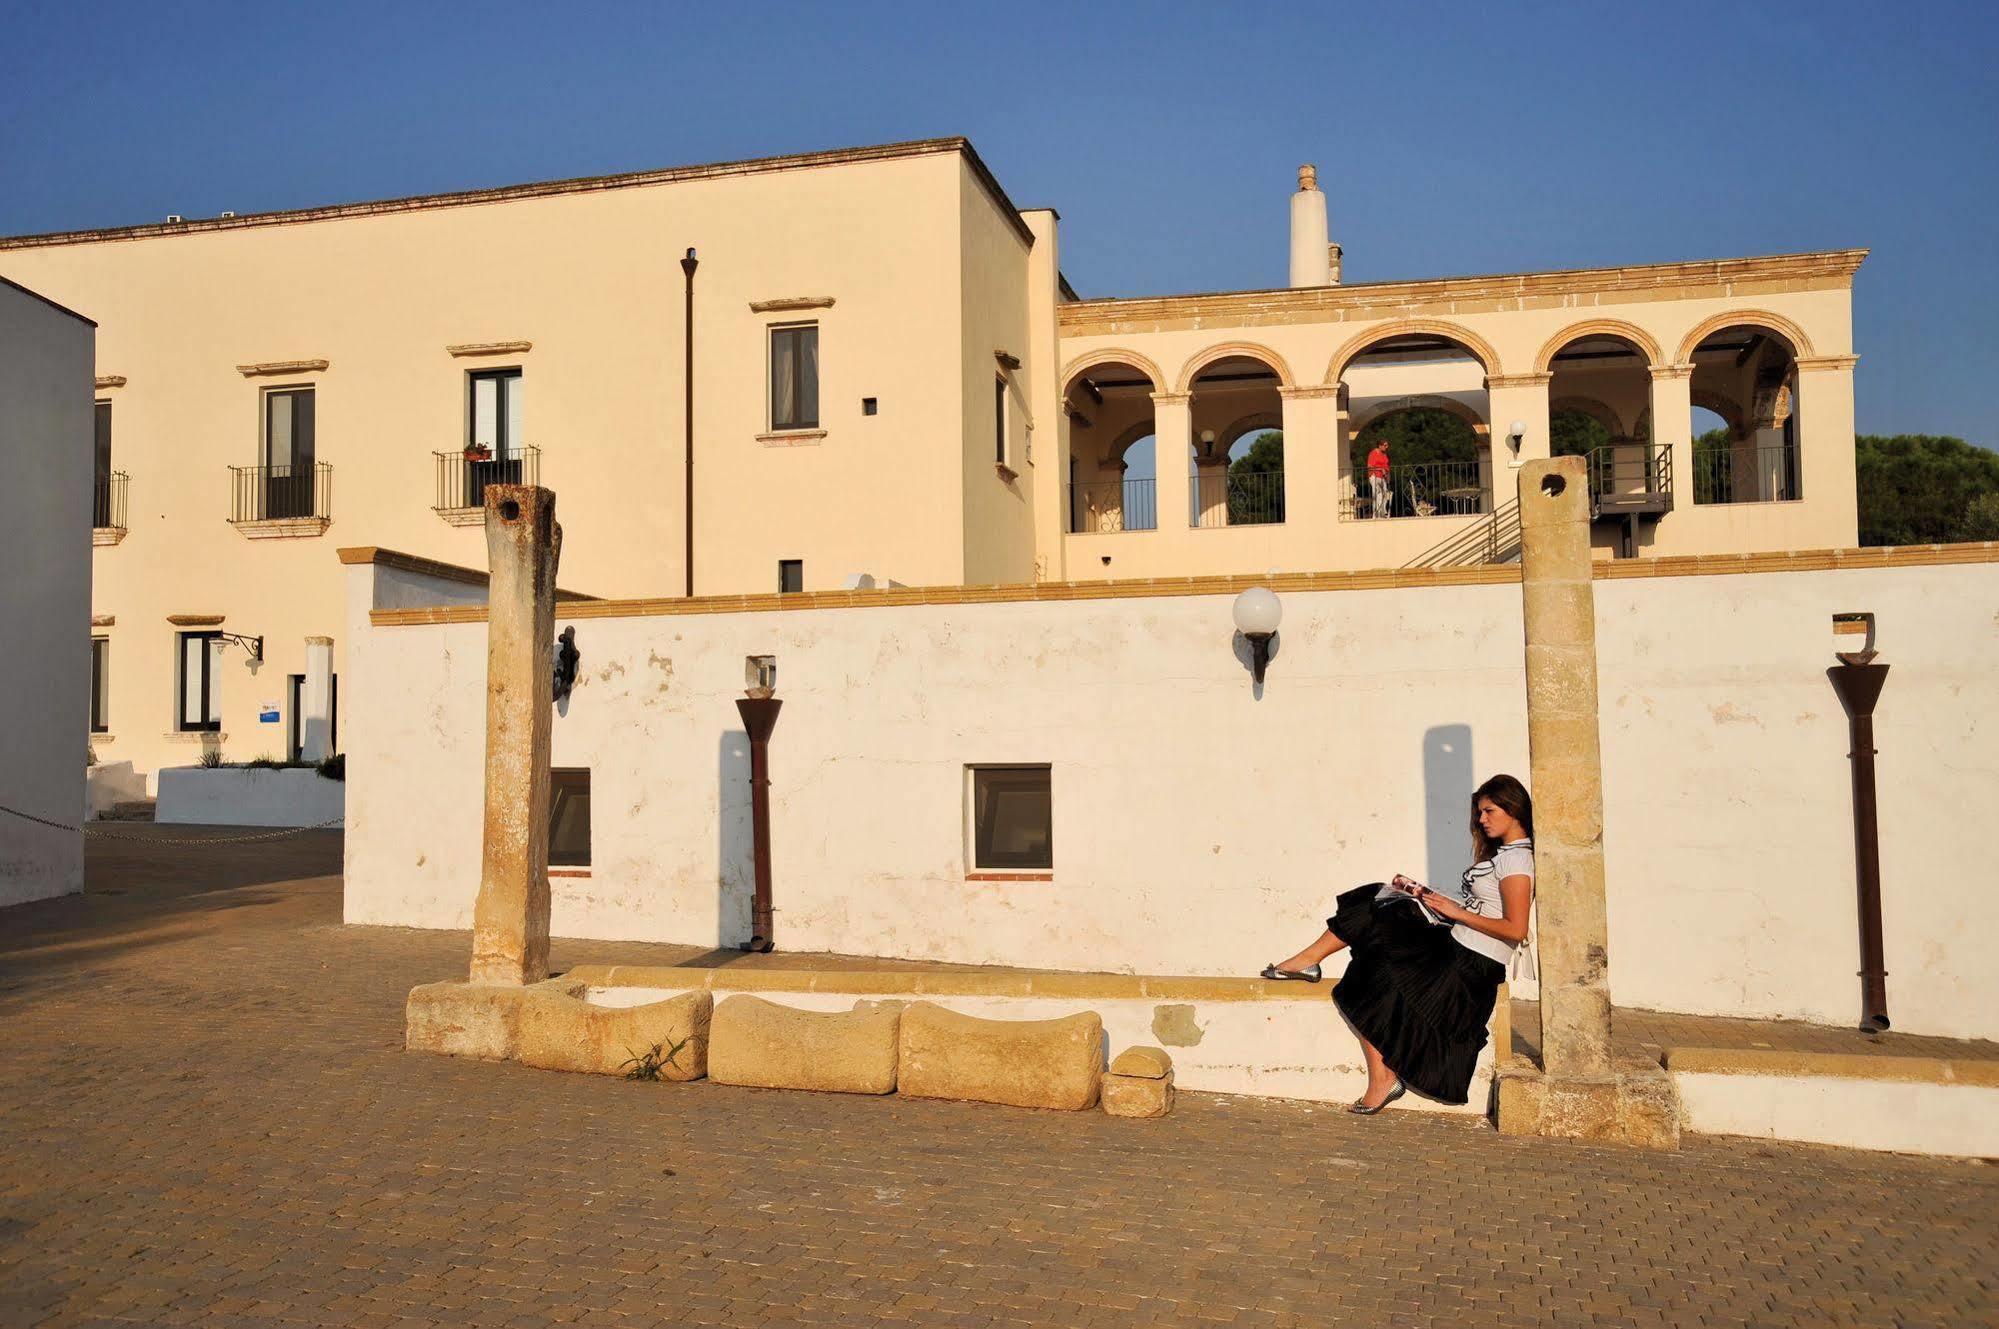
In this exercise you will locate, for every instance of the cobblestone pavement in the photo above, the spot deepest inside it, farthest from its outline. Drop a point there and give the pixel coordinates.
(209, 1119)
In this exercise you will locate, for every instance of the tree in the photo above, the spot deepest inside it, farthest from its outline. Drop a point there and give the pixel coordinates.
(1576, 434)
(1253, 499)
(1925, 489)
(1418, 435)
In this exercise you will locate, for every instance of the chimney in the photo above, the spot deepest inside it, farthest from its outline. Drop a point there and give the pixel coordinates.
(1333, 263)
(1309, 266)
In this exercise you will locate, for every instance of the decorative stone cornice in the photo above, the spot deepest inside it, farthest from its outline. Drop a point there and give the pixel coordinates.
(1172, 398)
(1007, 359)
(103, 620)
(792, 438)
(283, 528)
(1517, 380)
(1354, 302)
(319, 641)
(102, 537)
(490, 348)
(1310, 392)
(110, 381)
(1813, 363)
(196, 620)
(281, 367)
(790, 303)
(1684, 370)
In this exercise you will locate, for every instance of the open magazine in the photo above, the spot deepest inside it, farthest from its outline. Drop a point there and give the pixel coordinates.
(1391, 893)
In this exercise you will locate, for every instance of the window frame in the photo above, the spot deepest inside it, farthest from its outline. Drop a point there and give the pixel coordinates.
(1002, 444)
(771, 334)
(210, 701)
(977, 868)
(100, 684)
(505, 445)
(784, 565)
(559, 778)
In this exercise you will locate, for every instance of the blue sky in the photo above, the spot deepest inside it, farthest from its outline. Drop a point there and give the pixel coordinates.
(1450, 138)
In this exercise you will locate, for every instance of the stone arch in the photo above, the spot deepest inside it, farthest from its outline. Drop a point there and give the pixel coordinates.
(1724, 407)
(1421, 401)
(1801, 345)
(1130, 435)
(1476, 346)
(1591, 407)
(1248, 349)
(1109, 355)
(1254, 420)
(1598, 327)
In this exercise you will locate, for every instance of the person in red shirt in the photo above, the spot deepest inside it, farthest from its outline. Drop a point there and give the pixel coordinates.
(1377, 478)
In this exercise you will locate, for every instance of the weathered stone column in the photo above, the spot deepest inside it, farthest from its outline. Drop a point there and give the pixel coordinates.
(510, 919)
(1580, 1091)
(315, 721)
(1673, 424)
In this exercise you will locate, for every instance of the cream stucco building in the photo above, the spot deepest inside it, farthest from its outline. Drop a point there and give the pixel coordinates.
(875, 366)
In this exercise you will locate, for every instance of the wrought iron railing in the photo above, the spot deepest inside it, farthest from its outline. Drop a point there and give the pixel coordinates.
(107, 506)
(1747, 474)
(1113, 505)
(1252, 499)
(1424, 489)
(462, 477)
(1630, 474)
(280, 493)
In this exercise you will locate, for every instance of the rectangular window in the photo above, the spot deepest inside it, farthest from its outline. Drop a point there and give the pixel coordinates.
(288, 453)
(1011, 819)
(100, 685)
(790, 575)
(199, 685)
(494, 419)
(999, 422)
(101, 503)
(569, 818)
(794, 377)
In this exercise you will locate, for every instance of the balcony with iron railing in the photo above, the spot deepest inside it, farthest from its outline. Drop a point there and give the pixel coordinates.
(107, 508)
(279, 501)
(1627, 479)
(1098, 507)
(1746, 474)
(1421, 489)
(1254, 498)
(462, 478)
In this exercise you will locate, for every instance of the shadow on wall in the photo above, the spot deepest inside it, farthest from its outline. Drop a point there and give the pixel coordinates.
(735, 846)
(1447, 785)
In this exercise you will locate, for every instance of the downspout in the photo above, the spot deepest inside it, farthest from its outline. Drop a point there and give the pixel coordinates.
(1858, 683)
(687, 265)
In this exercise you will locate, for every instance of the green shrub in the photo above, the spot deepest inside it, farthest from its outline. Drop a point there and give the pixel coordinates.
(648, 1064)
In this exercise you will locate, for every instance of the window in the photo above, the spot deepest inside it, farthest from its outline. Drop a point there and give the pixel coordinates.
(101, 504)
(999, 423)
(100, 685)
(200, 690)
(569, 818)
(494, 417)
(790, 575)
(1011, 819)
(794, 377)
(288, 453)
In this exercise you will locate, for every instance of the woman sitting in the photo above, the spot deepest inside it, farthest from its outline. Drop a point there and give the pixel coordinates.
(1418, 992)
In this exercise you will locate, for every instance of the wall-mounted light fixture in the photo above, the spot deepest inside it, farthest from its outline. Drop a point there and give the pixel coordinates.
(566, 658)
(1207, 445)
(1257, 614)
(1516, 434)
(253, 645)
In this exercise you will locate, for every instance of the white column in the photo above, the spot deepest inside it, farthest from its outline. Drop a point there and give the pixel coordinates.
(1673, 424)
(1511, 397)
(1313, 441)
(1824, 412)
(315, 721)
(1172, 437)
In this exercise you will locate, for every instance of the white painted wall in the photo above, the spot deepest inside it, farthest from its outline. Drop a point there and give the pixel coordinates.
(1910, 1118)
(1199, 829)
(220, 796)
(47, 361)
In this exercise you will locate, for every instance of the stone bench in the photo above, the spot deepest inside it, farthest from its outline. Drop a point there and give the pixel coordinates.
(549, 1025)
(1022, 1063)
(764, 1045)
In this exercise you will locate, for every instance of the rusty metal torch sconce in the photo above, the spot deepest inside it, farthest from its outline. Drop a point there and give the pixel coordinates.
(1858, 681)
(759, 711)
(1257, 614)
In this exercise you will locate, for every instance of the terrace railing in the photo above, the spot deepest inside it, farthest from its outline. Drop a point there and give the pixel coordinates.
(280, 493)
(107, 505)
(1631, 477)
(1424, 489)
(1747, 474)
(462, 478)
(1252, 499)
(1098, 506)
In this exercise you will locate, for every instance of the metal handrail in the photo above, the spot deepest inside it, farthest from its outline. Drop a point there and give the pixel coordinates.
(1102, 506)
(462, 477)
(1255, 498)
(1748, 474)
(280, 493)
(1423, 489)
(107, 504)
(1630, 469)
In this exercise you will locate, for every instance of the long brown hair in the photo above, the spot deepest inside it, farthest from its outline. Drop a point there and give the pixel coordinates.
(1509, 796)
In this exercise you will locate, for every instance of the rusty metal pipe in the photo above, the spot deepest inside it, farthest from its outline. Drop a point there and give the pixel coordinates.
(759, 718)
(1859, 687)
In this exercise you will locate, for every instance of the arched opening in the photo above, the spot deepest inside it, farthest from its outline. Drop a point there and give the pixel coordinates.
(1744, 391)
(1236, 461)
(1418, 429)
(1601, 378)
(1112, 485)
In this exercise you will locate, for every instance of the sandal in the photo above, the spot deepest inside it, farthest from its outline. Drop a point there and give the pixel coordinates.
(1360, 1108)
(1310, 975)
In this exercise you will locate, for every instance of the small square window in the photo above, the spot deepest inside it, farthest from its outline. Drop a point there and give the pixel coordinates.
(1011, 819)
(569, 818)
(790, 575)
(868, 406)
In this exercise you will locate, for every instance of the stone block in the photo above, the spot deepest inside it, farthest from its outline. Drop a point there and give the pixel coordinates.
(559, 1031)
(1138, 1095)
(1022, 1063)
(767, 1046)
(462, 1019)
(1144, 1063)
(1633, 1103)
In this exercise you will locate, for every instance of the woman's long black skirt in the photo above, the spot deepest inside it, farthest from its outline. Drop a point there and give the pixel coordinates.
(1421, 997)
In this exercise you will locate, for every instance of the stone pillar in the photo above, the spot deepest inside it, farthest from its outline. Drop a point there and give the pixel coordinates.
(1673, 424)
(1312, 449)
(1510, 397)
(315, 720)
(1211, 490)
(1172, 437)
(510, 919)
(1580, 1091)
(1824, 430)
